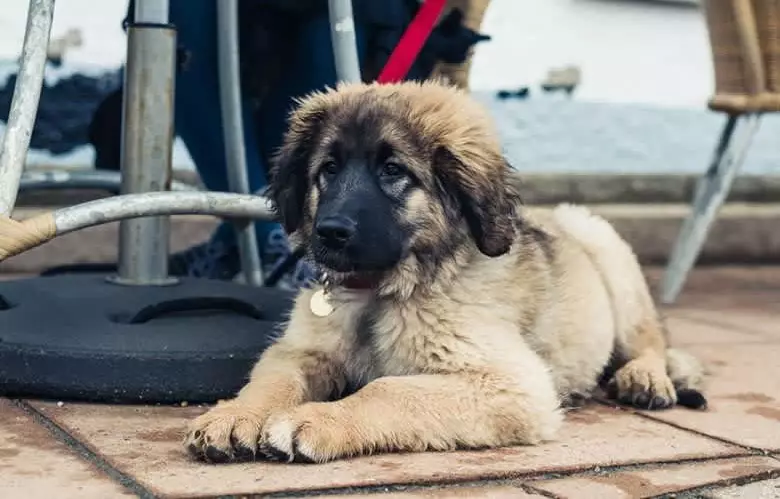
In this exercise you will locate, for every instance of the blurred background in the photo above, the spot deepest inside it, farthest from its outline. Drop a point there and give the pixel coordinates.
(639, 106)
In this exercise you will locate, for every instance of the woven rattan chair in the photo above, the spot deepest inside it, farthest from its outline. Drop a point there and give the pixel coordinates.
(745, 40)
(473, 14)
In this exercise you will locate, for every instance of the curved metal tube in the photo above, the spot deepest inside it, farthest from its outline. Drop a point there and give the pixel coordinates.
(233, 132)
(24, 104)
(92, 179)
(220, 204)
(19, 236)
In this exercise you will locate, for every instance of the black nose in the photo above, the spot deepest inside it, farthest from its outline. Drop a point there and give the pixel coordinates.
(335, 232)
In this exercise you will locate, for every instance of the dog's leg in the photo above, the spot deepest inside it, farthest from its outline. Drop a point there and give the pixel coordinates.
(306, 364)
(640, 345)
(643, 381)
(418, 413)
(283, 378)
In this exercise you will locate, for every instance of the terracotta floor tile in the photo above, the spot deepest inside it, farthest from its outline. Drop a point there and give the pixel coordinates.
(744, 395)
(34, 464)
(144, 442)
(684, 331)
(653, 481)
(456, 492)
(765, 489)
(764, 324)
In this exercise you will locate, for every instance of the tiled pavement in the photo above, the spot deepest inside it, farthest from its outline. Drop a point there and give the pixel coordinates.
(730, 316)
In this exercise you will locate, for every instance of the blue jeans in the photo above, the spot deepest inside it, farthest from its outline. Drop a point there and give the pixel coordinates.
(198, 115)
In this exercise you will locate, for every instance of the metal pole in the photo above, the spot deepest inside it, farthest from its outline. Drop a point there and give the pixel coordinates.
(147, 140)
(233, 132)
(342, 35)
(24, 104)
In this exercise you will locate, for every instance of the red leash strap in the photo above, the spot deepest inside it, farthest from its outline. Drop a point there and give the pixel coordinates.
(411, 42)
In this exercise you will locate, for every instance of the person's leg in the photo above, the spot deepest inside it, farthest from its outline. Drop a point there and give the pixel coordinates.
(199, 124)
(311, 68)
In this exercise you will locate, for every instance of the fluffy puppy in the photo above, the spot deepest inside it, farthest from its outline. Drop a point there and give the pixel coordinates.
(451, 316)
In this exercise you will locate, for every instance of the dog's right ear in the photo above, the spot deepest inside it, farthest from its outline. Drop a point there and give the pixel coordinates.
(487, 201)
(289, 174)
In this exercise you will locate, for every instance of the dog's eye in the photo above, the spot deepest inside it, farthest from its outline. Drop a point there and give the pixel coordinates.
(330, 168)
(391, 169)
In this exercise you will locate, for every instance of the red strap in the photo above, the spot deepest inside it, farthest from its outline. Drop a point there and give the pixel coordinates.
(411, 42)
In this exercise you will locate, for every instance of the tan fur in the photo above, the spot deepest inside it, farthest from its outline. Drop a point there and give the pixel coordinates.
(478, 352)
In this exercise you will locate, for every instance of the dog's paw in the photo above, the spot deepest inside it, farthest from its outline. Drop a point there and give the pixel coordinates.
(645, 385)
(228, 432)
(311, 433)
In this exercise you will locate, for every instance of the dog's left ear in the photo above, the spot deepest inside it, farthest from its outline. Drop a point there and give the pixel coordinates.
(488, 199)
(289, 174)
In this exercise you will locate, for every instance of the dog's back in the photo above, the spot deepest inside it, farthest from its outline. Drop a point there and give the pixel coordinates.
(633, 309)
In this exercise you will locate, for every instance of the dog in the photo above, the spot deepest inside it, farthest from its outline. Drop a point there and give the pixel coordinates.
(451, 316)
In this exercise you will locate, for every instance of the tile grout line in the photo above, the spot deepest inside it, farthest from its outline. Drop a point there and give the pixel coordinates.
(84, 452)
(696, 492)
(533, 490)
(524, 480)
(755, 451)
(125, 480)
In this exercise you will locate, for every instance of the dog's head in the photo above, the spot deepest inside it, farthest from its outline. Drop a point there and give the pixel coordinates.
(371, 177)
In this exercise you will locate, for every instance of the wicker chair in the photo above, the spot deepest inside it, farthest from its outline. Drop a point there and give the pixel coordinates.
(745, 41)
(473, 14)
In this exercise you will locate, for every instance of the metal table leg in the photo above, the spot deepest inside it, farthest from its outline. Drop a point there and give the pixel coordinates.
(147, 140)
(24, 105)
(345, 54)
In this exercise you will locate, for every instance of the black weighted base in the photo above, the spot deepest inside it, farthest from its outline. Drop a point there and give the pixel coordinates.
(78, 337)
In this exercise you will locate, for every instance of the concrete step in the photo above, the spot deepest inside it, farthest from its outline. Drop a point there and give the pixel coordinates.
(743, 233)
(538, 188)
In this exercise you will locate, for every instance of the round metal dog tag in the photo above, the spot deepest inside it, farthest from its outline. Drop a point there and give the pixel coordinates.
(319, 304)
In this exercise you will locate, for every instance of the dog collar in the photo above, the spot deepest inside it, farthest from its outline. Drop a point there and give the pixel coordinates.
(357, 283)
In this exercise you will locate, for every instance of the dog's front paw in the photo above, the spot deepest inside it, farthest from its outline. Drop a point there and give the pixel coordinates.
(311, 433)
(645, 385)
(228, 432)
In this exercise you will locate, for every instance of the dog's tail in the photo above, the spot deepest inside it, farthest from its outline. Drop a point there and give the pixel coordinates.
(619, 268)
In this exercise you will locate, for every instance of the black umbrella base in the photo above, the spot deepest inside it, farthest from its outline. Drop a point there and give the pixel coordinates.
(79, 337)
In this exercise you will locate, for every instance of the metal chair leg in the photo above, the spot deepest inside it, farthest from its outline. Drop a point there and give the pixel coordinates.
(702, 184)
(342, 33)
(24, 103)
(233, 131)
(711, 192)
